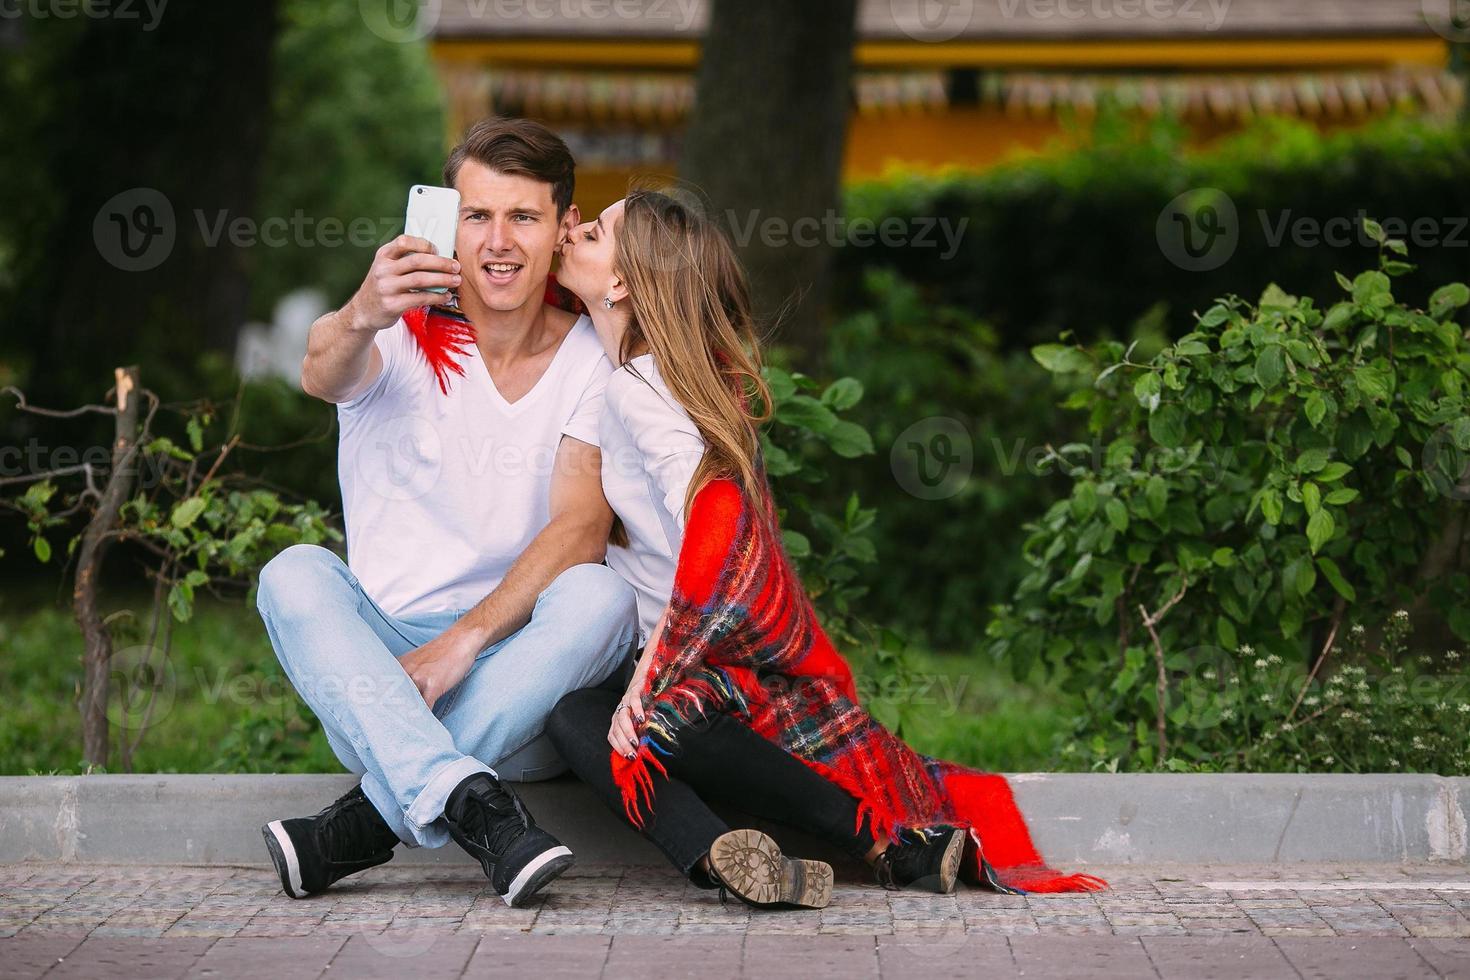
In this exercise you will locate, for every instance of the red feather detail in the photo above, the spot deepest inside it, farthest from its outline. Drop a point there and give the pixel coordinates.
(445, 339)
(562, 298)
(634, 781)
(442, 339)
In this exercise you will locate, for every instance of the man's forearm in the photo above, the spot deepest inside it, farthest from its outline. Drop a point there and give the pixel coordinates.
(337, 356)
(560, 545)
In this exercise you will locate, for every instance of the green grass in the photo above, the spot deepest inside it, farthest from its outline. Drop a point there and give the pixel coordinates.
(226, 705)
(969, 709)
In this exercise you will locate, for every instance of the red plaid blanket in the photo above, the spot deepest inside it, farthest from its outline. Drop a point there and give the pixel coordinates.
(742, 637)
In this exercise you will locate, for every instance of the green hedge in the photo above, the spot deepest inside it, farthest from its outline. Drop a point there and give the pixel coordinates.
(937, 383)
(1070, 241)
(1287, 474)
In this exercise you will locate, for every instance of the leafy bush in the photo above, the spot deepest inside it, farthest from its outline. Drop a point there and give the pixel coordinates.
(933, 372)
(1274, 476)
(1380, 710)
(826, 543)
(199, 523)
(1069, 241)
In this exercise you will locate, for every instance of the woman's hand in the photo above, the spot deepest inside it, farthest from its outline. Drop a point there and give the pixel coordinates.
(622, 735)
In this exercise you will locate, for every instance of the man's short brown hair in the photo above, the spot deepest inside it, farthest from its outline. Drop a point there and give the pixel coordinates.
(520, 148)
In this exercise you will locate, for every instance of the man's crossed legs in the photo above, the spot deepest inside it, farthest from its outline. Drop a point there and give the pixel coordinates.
(424, 778)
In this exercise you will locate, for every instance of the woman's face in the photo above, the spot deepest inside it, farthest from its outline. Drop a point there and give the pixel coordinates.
(587, 258)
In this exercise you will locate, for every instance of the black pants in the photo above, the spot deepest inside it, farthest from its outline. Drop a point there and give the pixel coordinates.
(716, 758)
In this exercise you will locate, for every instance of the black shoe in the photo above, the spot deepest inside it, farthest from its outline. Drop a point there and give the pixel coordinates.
(932, 863)
(490, 822)
(750, 865)
(312, 852)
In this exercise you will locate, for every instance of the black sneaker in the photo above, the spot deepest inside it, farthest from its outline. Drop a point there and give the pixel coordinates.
(490, 822)
(750, 865)
(932, 863)
(312, 852)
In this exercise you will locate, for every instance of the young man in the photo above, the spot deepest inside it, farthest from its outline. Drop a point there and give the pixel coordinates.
(474, 596)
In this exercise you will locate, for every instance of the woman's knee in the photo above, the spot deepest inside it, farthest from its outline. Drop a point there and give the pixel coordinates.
(575, 718)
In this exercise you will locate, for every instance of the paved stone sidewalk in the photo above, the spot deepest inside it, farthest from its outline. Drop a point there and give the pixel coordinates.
(1296, 921)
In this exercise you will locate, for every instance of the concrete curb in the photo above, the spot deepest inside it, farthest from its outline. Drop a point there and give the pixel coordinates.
(1077, 819)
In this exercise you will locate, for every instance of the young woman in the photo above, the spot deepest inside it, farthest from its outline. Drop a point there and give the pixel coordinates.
(738, 696)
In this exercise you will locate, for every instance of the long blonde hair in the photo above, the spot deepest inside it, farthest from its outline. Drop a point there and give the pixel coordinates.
(690, 303)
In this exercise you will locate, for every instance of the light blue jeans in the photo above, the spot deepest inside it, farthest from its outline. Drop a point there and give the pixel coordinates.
(341, 652)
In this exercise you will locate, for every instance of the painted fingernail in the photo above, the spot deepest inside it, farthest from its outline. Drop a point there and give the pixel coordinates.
(456, 280)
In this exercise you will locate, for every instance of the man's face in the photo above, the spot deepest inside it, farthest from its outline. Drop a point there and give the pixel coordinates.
(508, 233)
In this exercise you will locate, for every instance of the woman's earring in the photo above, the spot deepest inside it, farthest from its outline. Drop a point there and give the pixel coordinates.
(607, 302)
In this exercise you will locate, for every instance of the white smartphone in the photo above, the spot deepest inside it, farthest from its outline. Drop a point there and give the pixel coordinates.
(433, 213)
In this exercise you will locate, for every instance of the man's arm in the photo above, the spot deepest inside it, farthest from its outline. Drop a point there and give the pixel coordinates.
(577, 533)
(341, 359)
(341, 362)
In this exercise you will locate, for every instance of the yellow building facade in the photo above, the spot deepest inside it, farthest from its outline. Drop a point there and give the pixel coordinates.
(1009, 81)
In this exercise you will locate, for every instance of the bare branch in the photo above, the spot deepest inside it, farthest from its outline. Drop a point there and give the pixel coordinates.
(1337, 610)
(138, 539)
(38, 477)
(22, 405)
(1161, 693)
(159, 617)
(306, 440)
(225, 451)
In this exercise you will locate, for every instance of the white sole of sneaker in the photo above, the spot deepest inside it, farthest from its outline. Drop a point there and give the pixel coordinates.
(537, 874)
(276, 836)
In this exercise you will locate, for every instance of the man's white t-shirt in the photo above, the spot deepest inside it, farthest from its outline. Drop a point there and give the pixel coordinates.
(650, 450)
(441, 493)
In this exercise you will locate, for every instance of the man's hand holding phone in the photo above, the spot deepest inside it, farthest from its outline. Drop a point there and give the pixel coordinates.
(395, 284)
(415, 269)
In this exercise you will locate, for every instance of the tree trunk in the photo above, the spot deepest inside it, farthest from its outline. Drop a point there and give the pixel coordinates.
(97, 654)
(765, 146)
